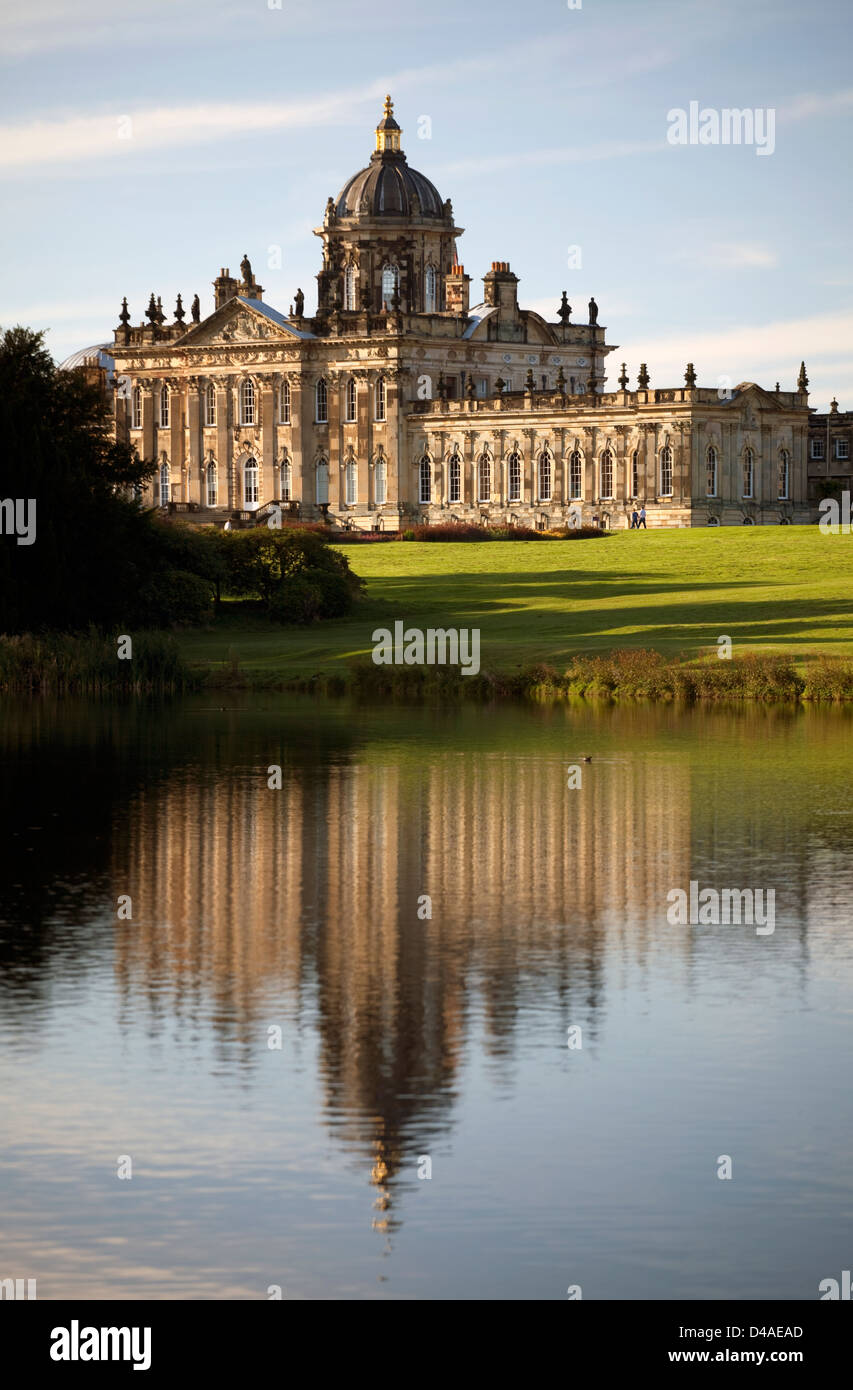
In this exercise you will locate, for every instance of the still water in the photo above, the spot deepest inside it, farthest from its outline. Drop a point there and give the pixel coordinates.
(283, 1042)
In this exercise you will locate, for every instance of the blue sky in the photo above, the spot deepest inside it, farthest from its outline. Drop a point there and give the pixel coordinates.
(142, 148)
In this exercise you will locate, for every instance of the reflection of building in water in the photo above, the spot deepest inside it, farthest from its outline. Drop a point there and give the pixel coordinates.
(314, 890)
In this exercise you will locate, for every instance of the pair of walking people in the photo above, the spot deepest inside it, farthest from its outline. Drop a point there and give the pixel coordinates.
(638, 519)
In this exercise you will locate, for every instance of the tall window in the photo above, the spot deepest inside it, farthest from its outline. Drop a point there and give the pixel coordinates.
(711, 478)
(484, 478)
(286, 475)
(322, 482)
(321, 398)
(349, 288)
(635, 473)
(606, 474)
(210, 404)
(545, 476)
(284, 403)
(211, 484)
(425, 479)
(250, 482)
(380, 398)
(351, 482)
(817, 448)
(165, 483)
(136, 409)
(842, 448)
(455, 478)
(380, 481)
(514, 477)
(390, 281)
(430, 297)
(247, 403)
(666, 471)
(350, 400)
(784, 470)
(575, 475)
(164, 406)
(748, 471)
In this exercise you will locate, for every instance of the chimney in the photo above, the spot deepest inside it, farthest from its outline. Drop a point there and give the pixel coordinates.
(457, 292)
(500, 289)
(224, 288)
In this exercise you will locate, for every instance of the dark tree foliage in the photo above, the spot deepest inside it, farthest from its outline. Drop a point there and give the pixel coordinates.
(295, 573)
(92, 547)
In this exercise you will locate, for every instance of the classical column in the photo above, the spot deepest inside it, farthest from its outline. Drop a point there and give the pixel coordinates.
(266, 488)
(224, 459)
(195, 484)
(303, 481)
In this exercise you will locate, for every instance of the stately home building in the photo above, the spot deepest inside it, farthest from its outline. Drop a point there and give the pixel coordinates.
(398, 401)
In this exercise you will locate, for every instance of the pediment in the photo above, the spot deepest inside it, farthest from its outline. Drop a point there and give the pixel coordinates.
(240, 322)
(755, 397)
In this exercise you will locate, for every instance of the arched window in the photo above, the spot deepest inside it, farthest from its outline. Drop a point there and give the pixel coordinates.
(210, 404)
(484, 478)
(349, 288)
(250, 482)
(455, 477)
(635, 473)
(390, 283)
(380, 481)
(784, 472)
(321, 396)
(380, 398)
(514, 476)
(165, 483)
(430, 284)
(286, 479)
(164, 406)
(711, 476)
(247, 403)
(425, 479)
(349, 409)
(284, 403)
(545, 476)
(136, 409)
(212, 491)
(575, 474)
(351, 482)
(322, 482)
(606, 474)
(748, 472)
(666, 471)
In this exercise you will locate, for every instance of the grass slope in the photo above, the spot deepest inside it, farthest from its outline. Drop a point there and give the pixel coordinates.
(782, 588)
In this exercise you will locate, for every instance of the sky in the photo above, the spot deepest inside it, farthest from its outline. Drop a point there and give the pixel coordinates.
(145, 147)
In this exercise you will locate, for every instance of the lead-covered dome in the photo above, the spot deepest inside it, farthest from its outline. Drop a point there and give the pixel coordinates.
(388, 187)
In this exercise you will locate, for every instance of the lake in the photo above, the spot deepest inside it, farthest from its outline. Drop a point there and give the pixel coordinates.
(416, 1017)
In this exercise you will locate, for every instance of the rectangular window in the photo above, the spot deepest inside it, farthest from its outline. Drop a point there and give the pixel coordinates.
(842, 449)
(607, 474)
(455, 490)
(817, 448)
(666, 473)
(482, 386)
(635, 474)
(575, 476)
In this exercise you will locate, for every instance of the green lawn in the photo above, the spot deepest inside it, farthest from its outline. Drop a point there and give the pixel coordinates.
(769, 588)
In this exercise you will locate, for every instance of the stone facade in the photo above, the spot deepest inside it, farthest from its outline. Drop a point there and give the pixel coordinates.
(398, 401)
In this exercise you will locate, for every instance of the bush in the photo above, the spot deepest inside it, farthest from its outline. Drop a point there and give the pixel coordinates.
(294, 572)
(173, 597)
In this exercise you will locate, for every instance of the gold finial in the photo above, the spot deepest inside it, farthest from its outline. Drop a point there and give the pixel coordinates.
(388, 131)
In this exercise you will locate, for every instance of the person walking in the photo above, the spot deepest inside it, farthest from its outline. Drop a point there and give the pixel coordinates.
(635, 520)
(642, 518)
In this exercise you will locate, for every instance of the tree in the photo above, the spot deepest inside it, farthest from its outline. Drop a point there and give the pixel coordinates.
(90, 547)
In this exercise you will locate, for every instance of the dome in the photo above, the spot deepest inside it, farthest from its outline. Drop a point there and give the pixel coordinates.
(101, 353)
(388, 187)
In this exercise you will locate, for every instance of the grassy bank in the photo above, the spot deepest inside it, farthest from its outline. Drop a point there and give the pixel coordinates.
(782, 589)
(88, 663)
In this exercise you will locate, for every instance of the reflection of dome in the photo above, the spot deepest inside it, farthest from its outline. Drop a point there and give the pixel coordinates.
(101, 353)
(388, 187)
